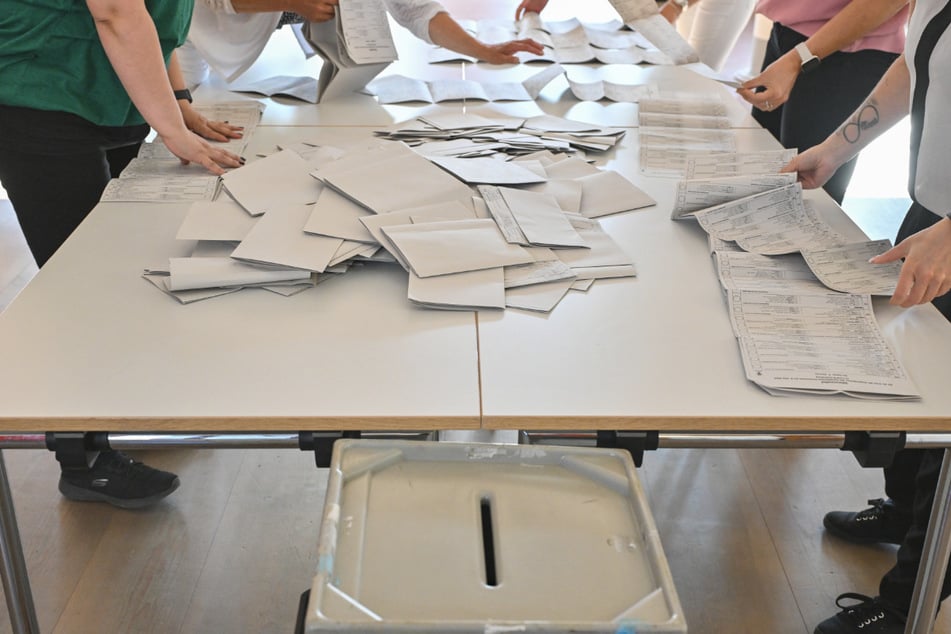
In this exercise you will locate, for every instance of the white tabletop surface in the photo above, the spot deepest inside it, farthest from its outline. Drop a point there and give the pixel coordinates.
(91, 345)
(658, 351)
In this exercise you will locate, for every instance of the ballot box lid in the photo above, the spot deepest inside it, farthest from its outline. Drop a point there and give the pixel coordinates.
(465, 537)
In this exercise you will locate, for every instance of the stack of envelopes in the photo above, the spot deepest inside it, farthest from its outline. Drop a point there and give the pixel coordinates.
(471, 233)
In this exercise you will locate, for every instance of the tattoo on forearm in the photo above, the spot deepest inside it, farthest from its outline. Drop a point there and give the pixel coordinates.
(866, 118)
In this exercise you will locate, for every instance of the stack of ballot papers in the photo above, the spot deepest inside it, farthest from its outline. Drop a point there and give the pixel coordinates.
(470, 135)
(674, 129)
(474, 233)
(156, 175)
(798, 293)
(356, 45)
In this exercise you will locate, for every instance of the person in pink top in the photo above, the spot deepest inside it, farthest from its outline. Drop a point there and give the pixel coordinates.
(822, 59)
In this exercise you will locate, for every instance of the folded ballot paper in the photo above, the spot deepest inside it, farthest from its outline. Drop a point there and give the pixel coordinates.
(356, 45)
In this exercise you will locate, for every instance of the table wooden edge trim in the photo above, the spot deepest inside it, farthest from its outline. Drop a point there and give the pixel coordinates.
(722, 423)
(237, 423)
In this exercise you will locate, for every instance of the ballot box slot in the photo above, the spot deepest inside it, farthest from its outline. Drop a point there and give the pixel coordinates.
(488, 541)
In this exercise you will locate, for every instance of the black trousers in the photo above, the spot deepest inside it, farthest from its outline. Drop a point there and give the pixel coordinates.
(912, 478)
(54, 166)
(822, 99)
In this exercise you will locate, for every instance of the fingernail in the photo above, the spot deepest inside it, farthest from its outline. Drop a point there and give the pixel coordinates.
(241, 160)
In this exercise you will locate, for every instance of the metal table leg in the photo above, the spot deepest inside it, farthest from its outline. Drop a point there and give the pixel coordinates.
(934, 557)
(16, 583)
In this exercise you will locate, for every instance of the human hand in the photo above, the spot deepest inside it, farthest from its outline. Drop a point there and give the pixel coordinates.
(814, 166)
(213, 130)
(926, 273)
(191, 148)
(315, 10)
(504, 53)
(528, 6)
(770, 89)
(671, 11)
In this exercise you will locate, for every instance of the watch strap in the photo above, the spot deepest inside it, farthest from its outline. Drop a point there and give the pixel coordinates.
(184, 93)
(808, 59)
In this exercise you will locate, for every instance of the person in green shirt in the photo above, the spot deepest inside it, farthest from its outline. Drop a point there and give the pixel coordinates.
(81, 84)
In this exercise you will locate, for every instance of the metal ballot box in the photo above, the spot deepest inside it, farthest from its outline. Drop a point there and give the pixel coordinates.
(461, 537)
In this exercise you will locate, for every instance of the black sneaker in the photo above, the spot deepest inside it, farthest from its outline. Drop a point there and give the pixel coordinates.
(868, 616)
(882, 523)
(119, 480)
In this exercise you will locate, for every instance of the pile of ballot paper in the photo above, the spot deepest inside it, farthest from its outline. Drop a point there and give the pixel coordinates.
(471, 233)
(471, 135)
(798, 292)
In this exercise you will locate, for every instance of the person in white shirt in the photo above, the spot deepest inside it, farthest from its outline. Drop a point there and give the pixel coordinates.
(229, 35)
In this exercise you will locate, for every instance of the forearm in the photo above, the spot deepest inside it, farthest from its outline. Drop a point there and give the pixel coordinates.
(260, 6)
(855, 20)
(131, 43)
(446, 32)
(886, 105)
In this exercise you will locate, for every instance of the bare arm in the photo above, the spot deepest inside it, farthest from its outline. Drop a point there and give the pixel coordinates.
(313, 10)
(529, 6)
(194, 120)
(131, 43)
(446, 32)
(887, 104)
(851, 23)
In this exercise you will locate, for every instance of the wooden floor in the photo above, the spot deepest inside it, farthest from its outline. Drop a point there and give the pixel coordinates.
(234, 547)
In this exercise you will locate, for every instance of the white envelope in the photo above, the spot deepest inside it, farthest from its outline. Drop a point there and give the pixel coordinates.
(189, 273)
(222, 219)
(470, 290)
(336, 216)
(440, 248)
(278, 238)
(282, 178)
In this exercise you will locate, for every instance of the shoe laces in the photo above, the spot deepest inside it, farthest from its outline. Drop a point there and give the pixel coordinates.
(122, 465)
(867, 611)
(875, 513)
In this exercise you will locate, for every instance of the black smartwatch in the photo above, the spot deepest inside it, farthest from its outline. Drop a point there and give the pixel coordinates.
(185, 94)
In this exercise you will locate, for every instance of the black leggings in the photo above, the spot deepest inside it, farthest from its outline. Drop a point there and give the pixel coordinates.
(54, 167)
(821, 100)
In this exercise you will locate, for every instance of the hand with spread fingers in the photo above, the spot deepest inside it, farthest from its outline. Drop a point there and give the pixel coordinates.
(926, 273)
(212, 130)
(504, 53)
(191, 148)
(529, 6)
